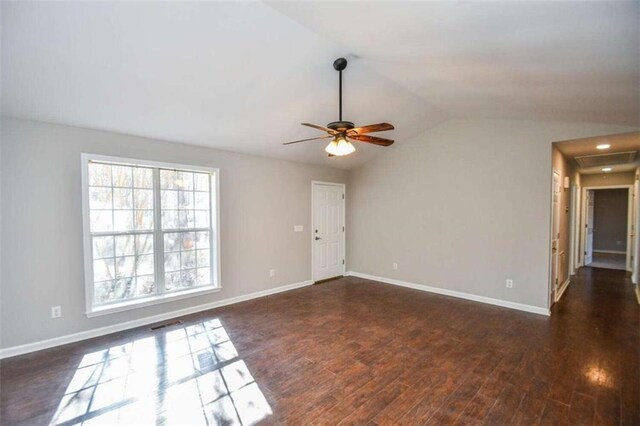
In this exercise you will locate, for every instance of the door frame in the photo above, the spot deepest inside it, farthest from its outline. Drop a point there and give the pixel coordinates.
(635, 248)
(584, 214)
(583, 221)
(574, 239)
(344, 224)
(551, 288)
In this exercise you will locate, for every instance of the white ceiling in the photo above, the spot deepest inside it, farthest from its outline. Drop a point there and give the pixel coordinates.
(242, 76)
(573, 61)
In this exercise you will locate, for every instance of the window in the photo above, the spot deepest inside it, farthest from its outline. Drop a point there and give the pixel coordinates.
(151, 232)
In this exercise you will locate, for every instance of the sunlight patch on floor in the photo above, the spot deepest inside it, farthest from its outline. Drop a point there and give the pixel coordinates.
(191, 375)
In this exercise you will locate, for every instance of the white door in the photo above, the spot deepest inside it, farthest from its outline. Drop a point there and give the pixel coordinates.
(631, 220)
(634, 235)
(327, 232)
(577, 212)
(555, 234)
(588, 246)
(574, 229)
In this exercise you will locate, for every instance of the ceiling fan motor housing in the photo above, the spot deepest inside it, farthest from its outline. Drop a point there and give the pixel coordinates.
(341, 126)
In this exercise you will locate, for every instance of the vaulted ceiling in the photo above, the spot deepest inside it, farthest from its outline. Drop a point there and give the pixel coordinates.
(242, 76)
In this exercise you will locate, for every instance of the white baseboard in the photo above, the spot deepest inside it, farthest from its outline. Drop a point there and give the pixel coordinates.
(610, 251)
(96, 332)
(563, 287)
(453, 293)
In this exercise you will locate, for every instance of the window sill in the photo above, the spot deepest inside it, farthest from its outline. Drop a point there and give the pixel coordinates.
(149, 301)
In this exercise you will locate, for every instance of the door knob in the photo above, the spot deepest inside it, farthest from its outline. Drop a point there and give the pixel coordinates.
(318, 238)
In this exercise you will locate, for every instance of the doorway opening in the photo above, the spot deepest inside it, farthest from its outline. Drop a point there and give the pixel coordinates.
(608, 227)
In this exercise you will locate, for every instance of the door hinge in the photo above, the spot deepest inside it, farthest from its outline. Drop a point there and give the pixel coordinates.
(343, 229)
(343, 196)
(343, 261)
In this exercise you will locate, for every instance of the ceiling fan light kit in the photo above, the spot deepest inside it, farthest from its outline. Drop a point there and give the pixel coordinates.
(340, 146)
(341, 131)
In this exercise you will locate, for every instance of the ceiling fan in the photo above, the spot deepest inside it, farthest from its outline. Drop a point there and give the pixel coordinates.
(342, 131)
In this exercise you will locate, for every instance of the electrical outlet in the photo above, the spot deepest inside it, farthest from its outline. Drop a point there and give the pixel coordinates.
(298, 228)
(56, 312)
(395, 266)
(509, 283)
(272, 273)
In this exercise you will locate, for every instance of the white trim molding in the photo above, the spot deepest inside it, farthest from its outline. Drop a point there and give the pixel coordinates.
(150, 301)
(583, 214)
(609, 251)
(562, 289)
(96, 332)
(482, 299)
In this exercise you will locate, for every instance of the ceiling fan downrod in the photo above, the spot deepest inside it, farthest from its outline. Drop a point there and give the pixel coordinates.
(339, 65)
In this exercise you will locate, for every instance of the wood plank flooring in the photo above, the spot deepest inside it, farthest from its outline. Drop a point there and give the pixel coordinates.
(350, 352)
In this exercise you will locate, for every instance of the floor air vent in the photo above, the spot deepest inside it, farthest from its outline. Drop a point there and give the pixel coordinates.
(606, 159)
(167, 324)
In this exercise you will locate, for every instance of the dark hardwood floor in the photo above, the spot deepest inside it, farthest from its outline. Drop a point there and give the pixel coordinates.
(351, 352)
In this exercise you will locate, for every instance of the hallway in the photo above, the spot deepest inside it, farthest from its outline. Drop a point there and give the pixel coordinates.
(597, 326)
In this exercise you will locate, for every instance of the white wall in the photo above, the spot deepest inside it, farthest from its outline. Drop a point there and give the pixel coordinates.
(261, 200)
(463, 206)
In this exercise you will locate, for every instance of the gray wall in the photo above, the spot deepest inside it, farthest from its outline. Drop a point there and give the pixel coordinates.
(610, 220)
(463, 206)
(261, 200)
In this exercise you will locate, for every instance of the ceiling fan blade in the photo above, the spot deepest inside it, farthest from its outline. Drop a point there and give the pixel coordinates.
(306, 140)
(380, 127)
(324, 129)
(372, 139)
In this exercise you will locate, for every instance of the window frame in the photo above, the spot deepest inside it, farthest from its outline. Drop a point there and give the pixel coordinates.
(161, 296)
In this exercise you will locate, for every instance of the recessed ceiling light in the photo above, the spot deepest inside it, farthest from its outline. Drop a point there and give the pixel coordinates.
(606, 169)
(603, 146)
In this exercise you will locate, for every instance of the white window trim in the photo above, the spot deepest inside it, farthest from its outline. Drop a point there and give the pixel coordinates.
(93, 311)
